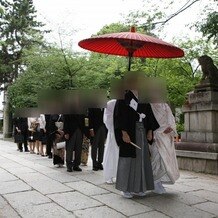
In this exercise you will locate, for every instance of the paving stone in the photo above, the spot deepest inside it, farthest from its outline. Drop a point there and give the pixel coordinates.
(213, 187)
(173, 208)
(102, 211)
(28, 198)
(13, 186)
(182, 187)
(44, 211)
(127, 207)
(92, 177)
(208, 207)
(5, 176)
(49, 186)
(43, 161)
(211, 196)
(110, 187)
(6, 211)
(86, 188)
(187, 198)
(8, 165)
(42, 169)
(23, 169)
(62, 177)
(34, 176)
(74, 201)
(153, 214)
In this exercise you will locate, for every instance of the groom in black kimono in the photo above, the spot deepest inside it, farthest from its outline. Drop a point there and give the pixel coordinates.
(134, 123)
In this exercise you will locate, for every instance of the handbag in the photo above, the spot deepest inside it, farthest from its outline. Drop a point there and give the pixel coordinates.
(60, 145)
(59, 124)
(18, 138)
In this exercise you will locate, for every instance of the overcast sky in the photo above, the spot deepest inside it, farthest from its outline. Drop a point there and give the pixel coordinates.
(80, 19)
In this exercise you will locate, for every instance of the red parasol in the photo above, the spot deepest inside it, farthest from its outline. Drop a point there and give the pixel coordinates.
(131, 44)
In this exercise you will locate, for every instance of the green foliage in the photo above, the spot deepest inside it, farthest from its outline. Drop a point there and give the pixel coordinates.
(113, 28)
(45, 69)
(180, 127)
(209, 27)
(19, 30)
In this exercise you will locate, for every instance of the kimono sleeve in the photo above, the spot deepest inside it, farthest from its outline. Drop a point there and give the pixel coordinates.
(152, 123)
(121, 116)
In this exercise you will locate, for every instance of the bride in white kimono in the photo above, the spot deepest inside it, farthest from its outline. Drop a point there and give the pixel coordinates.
(163, 155)
(111, 153)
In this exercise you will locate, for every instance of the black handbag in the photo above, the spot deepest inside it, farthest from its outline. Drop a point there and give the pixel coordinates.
(18, 138)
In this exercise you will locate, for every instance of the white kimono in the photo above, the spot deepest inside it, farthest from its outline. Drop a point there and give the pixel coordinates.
(111, 153)
(163, 155)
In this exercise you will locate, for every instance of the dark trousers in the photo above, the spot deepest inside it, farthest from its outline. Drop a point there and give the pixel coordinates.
(49, 144)
(74, 144)
(25, 138)
(98, 146)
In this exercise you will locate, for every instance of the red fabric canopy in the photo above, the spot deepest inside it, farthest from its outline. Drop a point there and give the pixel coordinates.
(131, 44)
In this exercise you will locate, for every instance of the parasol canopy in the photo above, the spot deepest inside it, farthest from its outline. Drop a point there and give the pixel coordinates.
(131, 44)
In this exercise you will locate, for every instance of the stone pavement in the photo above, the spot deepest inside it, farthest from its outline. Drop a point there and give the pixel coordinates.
(30, 186)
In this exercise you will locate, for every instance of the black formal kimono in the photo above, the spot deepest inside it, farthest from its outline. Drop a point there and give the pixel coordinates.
(134, 167)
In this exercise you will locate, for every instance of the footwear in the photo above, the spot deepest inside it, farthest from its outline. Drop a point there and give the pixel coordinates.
(158, 188)
(127, 195)
(27, 150)
(77, 168)
(95, 168)
(69, 169)
(21, 150)
(100, 167)
(110, 181)
(37, 153)
(140, 194)
(50, 156)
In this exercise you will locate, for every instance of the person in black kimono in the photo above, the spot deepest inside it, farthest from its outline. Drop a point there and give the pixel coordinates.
(49, 141)
(73, 129)
(21, 133)
(134, 123)
(99, 133)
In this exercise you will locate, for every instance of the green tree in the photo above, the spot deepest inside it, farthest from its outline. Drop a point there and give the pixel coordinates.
(209, 27)
(113, 28)
(46, 68)
(19, 30)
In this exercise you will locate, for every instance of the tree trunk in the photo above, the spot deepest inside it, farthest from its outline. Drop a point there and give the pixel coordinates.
(7, 118)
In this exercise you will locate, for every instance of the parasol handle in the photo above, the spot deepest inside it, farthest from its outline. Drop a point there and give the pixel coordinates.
(130, 59)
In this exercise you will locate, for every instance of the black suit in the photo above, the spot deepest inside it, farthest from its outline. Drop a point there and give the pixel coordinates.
(96, 123)
(22, 125)
(49, 141)
(74, 125)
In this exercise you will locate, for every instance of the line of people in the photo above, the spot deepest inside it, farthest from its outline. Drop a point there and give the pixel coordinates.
(131, 140)
(109, 132)
(64, 137)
